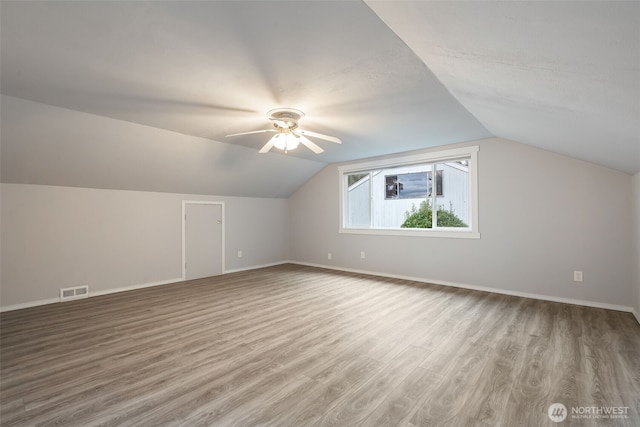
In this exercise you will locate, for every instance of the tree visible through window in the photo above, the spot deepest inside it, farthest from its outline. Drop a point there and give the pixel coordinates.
(423, 217)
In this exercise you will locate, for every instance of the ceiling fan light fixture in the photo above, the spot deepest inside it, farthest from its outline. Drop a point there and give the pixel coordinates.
(286, 141)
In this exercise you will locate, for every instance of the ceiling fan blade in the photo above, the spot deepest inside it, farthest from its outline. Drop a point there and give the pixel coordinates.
(310, 145)
(320, 135)
(269, 145)
(249, 133)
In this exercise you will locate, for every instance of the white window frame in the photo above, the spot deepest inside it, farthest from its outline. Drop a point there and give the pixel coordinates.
(470, 152)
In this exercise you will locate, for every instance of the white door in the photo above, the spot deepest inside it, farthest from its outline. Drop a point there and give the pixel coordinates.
(203, 240)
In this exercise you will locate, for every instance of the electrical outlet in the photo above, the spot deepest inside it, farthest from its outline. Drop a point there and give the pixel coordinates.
(362, 255)
(239, 254)
(577, 276)
(329, 255)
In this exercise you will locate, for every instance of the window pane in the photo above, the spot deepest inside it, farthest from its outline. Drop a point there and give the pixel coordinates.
(398, 193)
(359, 200)
(402, 195)
(452, 187)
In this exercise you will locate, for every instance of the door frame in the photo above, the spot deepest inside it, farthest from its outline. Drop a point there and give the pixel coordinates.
(184, 230)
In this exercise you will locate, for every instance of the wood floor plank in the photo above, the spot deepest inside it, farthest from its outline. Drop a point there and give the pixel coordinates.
(399, 406)
(448, 401)
(357, 405)
(293, 345)
(335, 384)
(569, 379)
(489, 397)
(529, 400)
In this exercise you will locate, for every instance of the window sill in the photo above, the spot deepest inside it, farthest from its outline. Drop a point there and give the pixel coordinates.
(448, 233)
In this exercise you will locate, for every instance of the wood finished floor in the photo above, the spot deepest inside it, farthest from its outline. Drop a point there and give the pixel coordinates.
(301, 346)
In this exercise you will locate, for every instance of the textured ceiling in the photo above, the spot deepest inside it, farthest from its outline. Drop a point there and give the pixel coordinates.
(212, 68)
(561, 77)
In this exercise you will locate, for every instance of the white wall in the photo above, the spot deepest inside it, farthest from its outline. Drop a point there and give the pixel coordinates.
(636, 246)
(56, 237)
(536, 229)
(542, 216)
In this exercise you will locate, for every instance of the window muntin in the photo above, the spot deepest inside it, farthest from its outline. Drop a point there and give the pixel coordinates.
(396, 196)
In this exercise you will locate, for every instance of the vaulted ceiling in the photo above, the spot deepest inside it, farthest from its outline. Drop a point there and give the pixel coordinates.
(563, 76)
(152, 88)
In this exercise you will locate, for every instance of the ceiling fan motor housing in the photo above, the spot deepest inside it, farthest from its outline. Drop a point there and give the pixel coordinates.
(285, 118)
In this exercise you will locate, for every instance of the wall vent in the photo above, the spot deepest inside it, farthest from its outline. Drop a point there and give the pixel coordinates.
(77, 292)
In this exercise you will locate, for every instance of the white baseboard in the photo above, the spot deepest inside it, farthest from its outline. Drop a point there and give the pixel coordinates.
(91, 294)
(128, 288)
(351, 270)
(255, 267)
(480, 288)
(132, 287)
(29, 304)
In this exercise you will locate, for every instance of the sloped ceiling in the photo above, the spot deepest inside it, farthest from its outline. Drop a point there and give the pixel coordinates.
(207, 69)
(47, 145)
(185, 74)
(563, 76)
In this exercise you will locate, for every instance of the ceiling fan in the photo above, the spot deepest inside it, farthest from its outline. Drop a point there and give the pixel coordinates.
(287, 133)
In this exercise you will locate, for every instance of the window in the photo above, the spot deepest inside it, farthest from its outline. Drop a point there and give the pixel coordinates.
(397, 196)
